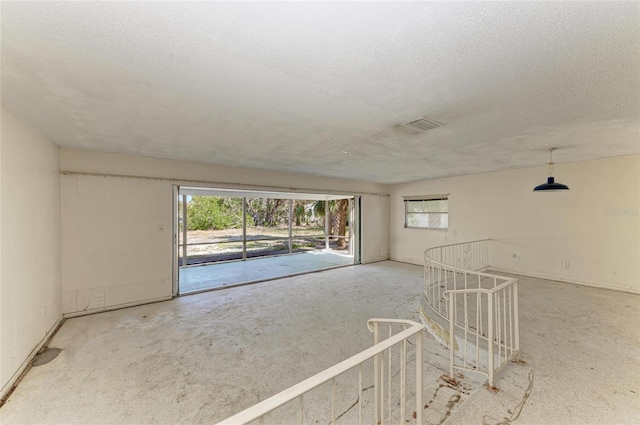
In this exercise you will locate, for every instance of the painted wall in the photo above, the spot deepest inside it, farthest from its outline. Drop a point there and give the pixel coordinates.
(30, 276)
(3, 381)
(595, 226)
(114, 252)
(375, 224)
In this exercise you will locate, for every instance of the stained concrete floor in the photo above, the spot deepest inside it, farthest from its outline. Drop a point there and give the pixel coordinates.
(582, 351)
(204, 357)
(202, 277)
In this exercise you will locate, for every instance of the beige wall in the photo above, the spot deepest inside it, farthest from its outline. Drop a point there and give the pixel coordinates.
(30, 277)
(595, 226)
(375, 224)
(113, 251)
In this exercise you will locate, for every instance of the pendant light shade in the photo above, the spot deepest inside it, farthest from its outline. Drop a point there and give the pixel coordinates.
(551, 185)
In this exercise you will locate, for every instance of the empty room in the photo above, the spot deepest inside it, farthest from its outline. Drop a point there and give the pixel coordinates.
(320, 212)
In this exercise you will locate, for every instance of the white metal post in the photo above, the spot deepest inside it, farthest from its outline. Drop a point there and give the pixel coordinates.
(175, 231)
(184, 230)
(403, 380)
(478, 326)
(360, 394)
(452, 335)
(351, 226)
(504, 322)
(326, 225)
(376, 376)
(244, 229)
(357, 230)
(490, 336)
(301, 407)
(290, 227)
(515, 316)
(389, 376)
(419, 383)
(333, 401)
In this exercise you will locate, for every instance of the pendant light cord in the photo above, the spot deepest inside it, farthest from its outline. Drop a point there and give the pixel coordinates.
(551, 163)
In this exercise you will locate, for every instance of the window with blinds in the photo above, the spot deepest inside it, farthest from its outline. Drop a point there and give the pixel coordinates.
(426, 212)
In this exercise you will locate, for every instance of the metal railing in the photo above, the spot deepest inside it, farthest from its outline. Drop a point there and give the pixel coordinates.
(198, 253)
(476, 312)
(382, 368)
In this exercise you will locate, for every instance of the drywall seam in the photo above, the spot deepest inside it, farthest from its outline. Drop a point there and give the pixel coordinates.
(14, 380)
(221, 184)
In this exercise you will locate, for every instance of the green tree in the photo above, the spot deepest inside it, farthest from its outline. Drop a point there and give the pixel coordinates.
(338, 215)
(268, 212)
(342, 213)
(214, 212)
(300, 211)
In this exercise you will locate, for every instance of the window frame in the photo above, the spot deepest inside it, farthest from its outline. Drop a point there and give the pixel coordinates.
(407, 199)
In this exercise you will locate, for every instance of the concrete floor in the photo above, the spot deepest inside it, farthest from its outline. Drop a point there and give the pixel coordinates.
(198, 278)
(203, 357)
(582, 351)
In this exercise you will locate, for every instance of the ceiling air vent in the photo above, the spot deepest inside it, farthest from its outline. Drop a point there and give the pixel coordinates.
(423, 124)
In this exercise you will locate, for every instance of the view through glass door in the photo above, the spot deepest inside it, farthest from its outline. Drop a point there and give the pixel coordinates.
(229, 237)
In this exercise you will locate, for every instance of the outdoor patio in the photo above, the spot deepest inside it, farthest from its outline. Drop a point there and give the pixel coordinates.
(203, 277)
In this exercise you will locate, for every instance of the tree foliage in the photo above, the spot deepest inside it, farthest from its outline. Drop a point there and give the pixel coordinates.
(338, 216)
(268, 212)
(218, 213)
(214, 212)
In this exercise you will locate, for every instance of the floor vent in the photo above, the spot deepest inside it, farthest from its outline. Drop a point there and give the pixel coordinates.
(423, 124)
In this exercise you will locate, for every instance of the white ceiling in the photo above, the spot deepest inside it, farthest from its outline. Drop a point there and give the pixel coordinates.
(288, 86)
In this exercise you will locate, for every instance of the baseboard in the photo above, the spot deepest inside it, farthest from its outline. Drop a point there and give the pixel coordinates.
(562, 280)
(115, 307)
(374, 260)
(419, 262)
(405, 261)
(24, 367)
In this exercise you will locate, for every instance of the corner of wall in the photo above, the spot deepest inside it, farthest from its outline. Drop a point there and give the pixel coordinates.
(30, 223)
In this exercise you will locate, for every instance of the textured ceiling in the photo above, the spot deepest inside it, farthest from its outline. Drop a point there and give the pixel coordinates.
(289, 86)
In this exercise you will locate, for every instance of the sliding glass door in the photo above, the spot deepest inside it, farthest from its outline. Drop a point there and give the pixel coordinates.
(217, 226)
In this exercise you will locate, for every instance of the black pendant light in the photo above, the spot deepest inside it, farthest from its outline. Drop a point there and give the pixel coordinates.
(551, 185)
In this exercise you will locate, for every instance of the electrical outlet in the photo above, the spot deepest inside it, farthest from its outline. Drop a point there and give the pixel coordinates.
(566, 264)
(516, 258)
